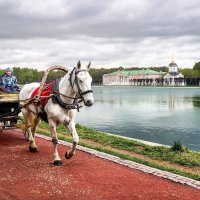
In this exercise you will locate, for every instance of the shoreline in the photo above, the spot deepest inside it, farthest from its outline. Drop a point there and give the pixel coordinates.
(138, 140)
(145, 142)
(186, 87)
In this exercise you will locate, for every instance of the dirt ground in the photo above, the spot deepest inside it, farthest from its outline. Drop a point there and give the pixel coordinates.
(25, 175)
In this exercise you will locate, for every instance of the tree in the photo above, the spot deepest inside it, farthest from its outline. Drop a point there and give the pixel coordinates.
(196, 66)
(120, 68)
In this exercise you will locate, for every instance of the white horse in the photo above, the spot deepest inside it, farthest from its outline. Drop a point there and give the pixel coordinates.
(59, 110)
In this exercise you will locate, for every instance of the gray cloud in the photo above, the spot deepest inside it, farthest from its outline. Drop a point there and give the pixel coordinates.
(111, 33)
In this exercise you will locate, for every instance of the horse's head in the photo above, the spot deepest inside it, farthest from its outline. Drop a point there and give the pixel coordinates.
(83, 82)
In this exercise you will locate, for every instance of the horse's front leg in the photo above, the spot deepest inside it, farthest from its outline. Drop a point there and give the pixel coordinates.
(72, 130)
(52, 126)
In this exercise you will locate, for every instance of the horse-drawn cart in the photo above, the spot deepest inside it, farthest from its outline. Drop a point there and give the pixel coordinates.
(55, 106)
(8, 104)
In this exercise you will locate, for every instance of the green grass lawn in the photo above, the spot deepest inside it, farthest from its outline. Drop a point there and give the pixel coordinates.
(184, 157)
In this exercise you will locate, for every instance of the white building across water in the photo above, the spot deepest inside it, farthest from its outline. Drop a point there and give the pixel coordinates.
(173, 77)
(145, 77)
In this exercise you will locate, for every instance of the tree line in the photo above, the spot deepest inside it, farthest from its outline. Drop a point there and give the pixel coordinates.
(27, 75)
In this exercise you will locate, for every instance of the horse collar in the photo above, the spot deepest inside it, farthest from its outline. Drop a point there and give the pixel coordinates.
(56, 98)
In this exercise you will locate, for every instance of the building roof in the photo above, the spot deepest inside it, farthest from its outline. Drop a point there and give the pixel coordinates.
(174, 75)
(137, 72)
(173, 64)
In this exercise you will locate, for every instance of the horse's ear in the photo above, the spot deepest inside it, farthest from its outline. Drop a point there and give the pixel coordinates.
(79, 64)
(88, 66)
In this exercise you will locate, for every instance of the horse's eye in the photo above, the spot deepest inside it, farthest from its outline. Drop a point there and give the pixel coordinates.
(80, 81)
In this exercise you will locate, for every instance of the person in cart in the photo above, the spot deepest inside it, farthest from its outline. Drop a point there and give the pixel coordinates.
(8, 82)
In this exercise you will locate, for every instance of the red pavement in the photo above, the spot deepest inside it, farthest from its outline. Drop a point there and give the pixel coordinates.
(25, 175)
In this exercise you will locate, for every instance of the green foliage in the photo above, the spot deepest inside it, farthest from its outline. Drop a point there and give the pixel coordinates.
(98, 73)
(190, 73)
(196, 66)
(26, 75)
(178, 146)
(53, 75)
(160, 69)
(120, 68)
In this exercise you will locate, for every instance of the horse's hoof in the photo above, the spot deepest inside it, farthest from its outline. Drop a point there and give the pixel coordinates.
(68, 155)
(33, 149)
(57, 162)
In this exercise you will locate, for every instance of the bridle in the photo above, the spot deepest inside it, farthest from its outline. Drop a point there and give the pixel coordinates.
(77, 99)
(80, 92)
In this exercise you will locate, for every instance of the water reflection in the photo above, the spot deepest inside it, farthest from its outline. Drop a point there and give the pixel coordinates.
(156, 114)
(196, 101)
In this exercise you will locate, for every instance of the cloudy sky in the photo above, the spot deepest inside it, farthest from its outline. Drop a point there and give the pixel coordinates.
(111, 33)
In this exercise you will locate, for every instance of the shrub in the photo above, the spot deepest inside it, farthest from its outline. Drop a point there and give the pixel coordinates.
(178, 146)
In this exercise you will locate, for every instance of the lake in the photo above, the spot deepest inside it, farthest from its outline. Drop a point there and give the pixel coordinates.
(156, 114)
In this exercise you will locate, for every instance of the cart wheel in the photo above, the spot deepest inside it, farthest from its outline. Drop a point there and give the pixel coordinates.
(26, 135)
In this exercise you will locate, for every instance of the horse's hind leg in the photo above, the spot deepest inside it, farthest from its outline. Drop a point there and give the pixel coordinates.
(34, 125)
(28, 117)
(52, 126)
(72, 130)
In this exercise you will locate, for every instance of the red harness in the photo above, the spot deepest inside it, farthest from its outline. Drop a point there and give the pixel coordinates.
(44, 94)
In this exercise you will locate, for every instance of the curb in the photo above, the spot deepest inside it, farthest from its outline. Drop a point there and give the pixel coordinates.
(149, 170)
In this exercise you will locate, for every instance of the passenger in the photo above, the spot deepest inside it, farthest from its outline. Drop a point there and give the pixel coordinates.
(9, 82)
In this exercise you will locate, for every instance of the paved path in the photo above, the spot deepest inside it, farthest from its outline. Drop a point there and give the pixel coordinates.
(25, 175)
